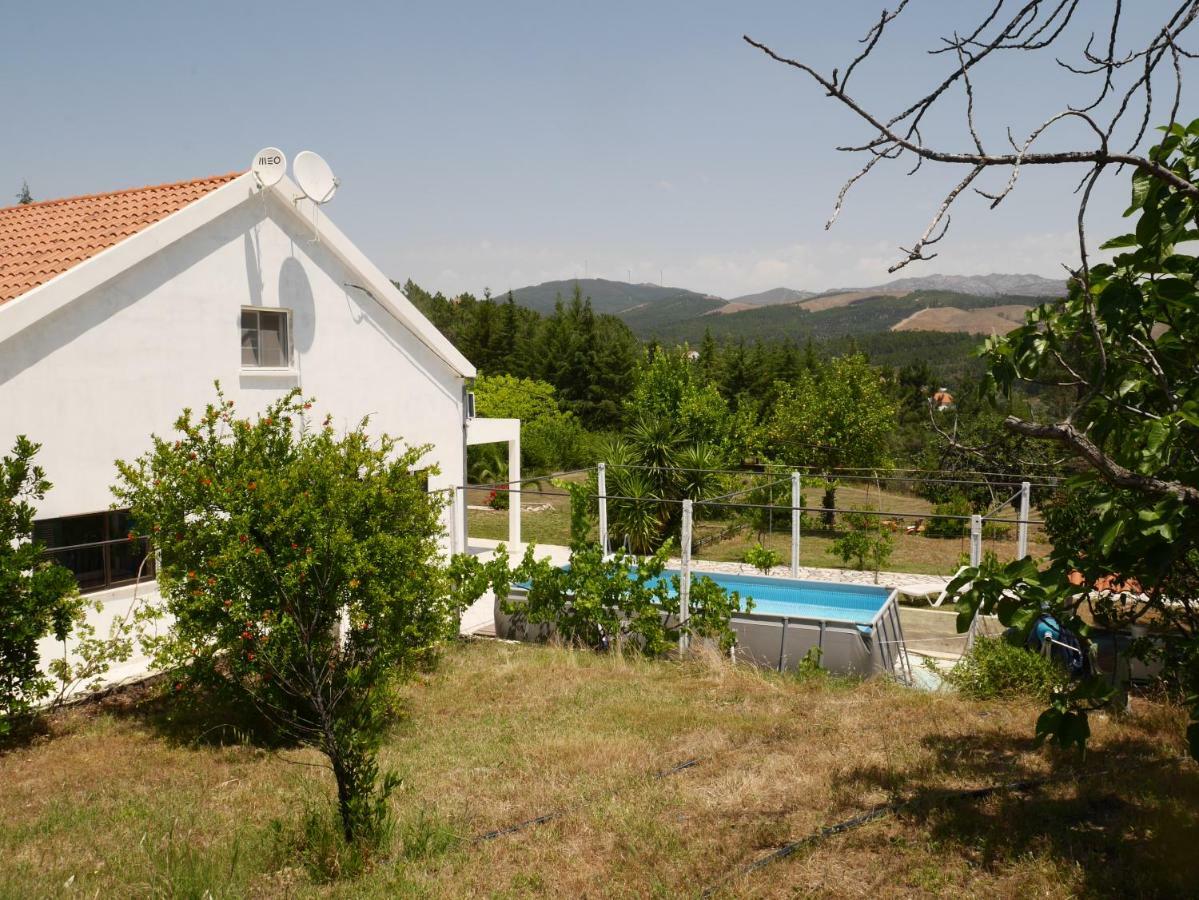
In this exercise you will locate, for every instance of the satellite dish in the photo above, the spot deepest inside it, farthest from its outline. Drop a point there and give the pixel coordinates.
(314, 177)
(268, 167)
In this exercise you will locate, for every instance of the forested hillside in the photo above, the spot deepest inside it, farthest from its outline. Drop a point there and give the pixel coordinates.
(617, 297)
(601, 393)
(866, 315)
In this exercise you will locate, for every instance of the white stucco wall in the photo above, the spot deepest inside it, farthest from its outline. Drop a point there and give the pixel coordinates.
(94, 379)
(91, 381)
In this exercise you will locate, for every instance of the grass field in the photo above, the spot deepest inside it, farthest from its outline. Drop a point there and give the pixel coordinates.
(119, 801)
(915, 553)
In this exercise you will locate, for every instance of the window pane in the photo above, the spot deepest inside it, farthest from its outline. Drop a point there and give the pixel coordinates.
(125, 558)
(273, 339)
(249, 338)
(86, 562)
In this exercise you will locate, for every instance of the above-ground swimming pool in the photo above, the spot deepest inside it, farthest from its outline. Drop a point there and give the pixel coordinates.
(855, 627)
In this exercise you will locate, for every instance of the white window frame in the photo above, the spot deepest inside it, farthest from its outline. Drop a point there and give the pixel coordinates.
(289, 363)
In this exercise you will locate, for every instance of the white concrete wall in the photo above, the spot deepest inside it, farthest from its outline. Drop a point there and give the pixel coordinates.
(92, 381)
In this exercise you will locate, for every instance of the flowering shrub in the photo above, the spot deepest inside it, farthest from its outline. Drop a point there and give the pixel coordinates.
(301, 568)
(37, 597)
(498, 498)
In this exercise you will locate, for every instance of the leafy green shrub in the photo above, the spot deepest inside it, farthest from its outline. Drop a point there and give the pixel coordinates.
(867, 544)
(939, 526)
(761, 558)
(621, 603)
(553, 443)
(995, 669)
(550, 438)
(809, 667)
(37, 597)
(301, 569)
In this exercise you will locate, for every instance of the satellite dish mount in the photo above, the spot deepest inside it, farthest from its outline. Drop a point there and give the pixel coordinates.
(314, 177)
(268, 167)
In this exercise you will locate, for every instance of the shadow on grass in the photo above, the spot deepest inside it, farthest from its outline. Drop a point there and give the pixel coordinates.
(210, 715)
(1125, 816)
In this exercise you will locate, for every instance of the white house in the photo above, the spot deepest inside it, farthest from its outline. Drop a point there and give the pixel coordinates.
(117, 310)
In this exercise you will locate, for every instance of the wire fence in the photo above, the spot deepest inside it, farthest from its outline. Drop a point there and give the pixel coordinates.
(901, 521)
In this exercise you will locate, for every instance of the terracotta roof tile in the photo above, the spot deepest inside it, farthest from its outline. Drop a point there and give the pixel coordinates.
(41, 240)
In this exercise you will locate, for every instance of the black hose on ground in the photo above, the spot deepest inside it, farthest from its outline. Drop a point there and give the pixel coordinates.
(879, 812)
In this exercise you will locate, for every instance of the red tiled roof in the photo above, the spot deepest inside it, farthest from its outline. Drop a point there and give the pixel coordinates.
(41, 240)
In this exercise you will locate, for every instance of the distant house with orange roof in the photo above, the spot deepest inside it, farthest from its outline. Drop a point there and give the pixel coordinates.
(942, 399)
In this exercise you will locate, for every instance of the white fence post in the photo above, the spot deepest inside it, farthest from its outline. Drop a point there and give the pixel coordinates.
(1022, 525)
(795, 517)
(602, 485)
(685, 577)
(976, 540)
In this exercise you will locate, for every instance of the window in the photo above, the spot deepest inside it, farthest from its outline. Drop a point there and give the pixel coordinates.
(265, 339)
(95, 547)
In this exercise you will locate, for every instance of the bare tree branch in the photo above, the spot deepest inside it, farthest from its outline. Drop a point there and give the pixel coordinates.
(1069, 436)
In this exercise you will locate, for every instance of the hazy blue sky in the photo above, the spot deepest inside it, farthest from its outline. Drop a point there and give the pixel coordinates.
(498, 144)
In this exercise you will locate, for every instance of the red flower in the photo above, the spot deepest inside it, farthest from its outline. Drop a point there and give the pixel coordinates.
(246, 636)
(253, 485)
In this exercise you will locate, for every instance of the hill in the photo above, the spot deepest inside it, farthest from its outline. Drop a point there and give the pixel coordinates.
(618, 298)
(772, 297)
(976, 285)
(849, 314)
(677, 314)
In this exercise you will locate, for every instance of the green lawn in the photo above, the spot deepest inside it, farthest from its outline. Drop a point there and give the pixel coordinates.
(118, 800)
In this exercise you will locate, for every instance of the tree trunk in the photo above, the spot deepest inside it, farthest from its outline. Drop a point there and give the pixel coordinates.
(343, 795)
(829, 503)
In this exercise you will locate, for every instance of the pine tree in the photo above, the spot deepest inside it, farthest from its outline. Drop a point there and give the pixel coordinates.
(24, 198)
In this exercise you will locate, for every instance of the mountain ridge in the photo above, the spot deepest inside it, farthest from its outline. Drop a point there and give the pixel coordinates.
(661, 312)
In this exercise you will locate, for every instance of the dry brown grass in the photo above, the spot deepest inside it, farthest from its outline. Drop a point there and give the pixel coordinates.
(500, 733)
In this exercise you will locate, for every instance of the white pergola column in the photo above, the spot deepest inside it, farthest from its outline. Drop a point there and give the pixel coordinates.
(514, 490)
(501, 431)
(976, 540)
